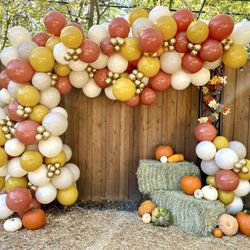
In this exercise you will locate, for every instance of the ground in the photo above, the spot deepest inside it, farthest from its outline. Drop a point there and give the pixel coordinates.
(81, 227)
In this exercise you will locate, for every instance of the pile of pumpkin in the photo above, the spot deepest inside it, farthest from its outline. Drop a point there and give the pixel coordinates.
(165, 153)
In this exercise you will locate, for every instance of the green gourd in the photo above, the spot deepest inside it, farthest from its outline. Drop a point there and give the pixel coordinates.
(161, 217)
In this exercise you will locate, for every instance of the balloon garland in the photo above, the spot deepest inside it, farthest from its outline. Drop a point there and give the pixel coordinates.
(131, 60)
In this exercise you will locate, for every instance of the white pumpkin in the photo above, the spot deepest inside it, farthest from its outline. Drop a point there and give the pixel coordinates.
(198, 194)
(210, 193)
(13, 224)
(146, 218)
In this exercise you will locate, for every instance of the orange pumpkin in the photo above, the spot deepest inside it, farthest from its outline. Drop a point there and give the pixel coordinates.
(163, 151)
(34, 219)
(189, 184)
(146, 207)
(176, 158)
(217, 233)
(243, 219)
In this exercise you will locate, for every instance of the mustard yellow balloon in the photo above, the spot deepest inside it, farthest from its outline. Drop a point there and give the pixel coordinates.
(67, 196)
(221, 142)
(2, 137)
(71, 37)
(14, 182)
(38, 113)
(61, 69)
(197, 32)
(123, 89)
(149, 66)
(28, 96)
(61, 159)
(42, 59)
(235, 57)
(3, 157)
(135, 14)
(52, 42)
(131, 50)
(2, 182)
(167, 26)
(245, 176)
(31, 160)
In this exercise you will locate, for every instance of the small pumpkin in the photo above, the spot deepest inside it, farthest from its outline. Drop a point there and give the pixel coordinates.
(228, 224)
(189, 184)
(243, 219)
(34, 219)
(163, 150)
(210, 193)
(176, 158)
(217, 233)
(198, 194)
(146, 207)
(12, 225)
(34, 204)
(161, 217)
(146, 218)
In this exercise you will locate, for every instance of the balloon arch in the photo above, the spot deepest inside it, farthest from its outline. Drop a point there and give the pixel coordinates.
(130, 60)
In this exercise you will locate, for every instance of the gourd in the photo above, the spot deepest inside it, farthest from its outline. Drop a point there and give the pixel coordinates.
(243, 219)
(198, 194)
(34, 219)
(189, 184)
(176, 158)
(161, 217)
(228, 224)
(210, 193)
(217, 233)
(146, 207)
(12, 225)
(146, 218)
(163, 151)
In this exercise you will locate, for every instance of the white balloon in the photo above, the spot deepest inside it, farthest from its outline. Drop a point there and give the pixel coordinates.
(139, 25)
(235, 206)
(117, 63)
(101, 62)
(39, 176)
(109, 93)
(243, 189)
(14, 147)
(46, 194)
(51, 147)
(17, 35)
(61, 111)
(24, 49)
(50, 97)
(64, 180)
(41, 81)
(201, 77)
(8, 54)
(170, 62)
(15, 169)
(96, 33)
(91, 89)
(214, 64)
(209, 167)
(3, 170)
(239, 148)
(5, 96)
(78, 65)
(105, 26)
(55, 123)
(68, 152)
(158, 12)
(226, 158)
(205, 150)
(2, 104)
(78, 79)
(2, 113)
(13, 88)
(59, 51)
(180, 80)
(241, 32)
(74, 169)
(5, 212)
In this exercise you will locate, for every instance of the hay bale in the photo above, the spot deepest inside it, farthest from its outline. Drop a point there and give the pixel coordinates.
(191, 215)
(153, 175)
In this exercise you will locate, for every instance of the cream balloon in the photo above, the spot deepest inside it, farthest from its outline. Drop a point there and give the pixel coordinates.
(117, 63)
(3, 170)
(74, 169)
(2, 114)
(101, 62)
(205, 150)
(96, 33)
(41, 81)
(78, 65)
(14, 147)
(46, 194)
(24, 49)
(241, 32)
(226, 158)
(67, 151)
(61, 111)
(180, 80)
(50, 147)
(239, 148)
(170, 62)
(59, 52)
(39, 176)
(15, 169)
(78, 79)
(235, 206)
(243, 188)
(214, 64)
(50, 97)
(209, 167)
(109, 93)
(8, 54)
(158, 12)
(139, 25)
(5, 96)
(55, 123)
(64, 180)
(91, 89)
(201, 77)
(17, 35)
(5, 212)
(13, 88)
(2, 104)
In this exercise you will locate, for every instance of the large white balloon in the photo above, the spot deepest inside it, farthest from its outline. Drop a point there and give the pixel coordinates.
(235, 206)
(241, 32)
(60, 110)
(91, 89)
(39, 176)
(96, 33)
(5, 212)
(68, 152)
(170, 62)
(78, 79)
(59, 51)
(51, 147)
(214, 64)
(205, 150)
(157, 12)
(13, 88)
(226, 158)
(74, 169)
(78, 65)
(8, 54)
(46, 194)
(243, 188)
(109, 93)
(209, 167)
(41, 81)
(139, 25)
(50, 97)
(117, 63)
(5, 96)
(64, 180)
(3, 170)
(101, 62)
(201, 77)
(24, 49)
(15, 169)
(14, 147)
(239, 148)
(180, 80)
(17, 35)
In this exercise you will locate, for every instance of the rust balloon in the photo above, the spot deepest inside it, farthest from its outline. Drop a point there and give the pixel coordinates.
(226, 180)
(4, 79)
(205, 132)
(41, 38)
(183, 18)
(119, 27)
(181, 44)
(90, 51)
(63, 85)
(106, 46)
(211, 50)
(100, 77)
(161, 81)
(12, 112)
(54, 22)
(134, 101)
(148, 96)
(191, 63)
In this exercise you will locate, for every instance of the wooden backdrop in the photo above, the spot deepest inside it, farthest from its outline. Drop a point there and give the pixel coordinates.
(108, 138)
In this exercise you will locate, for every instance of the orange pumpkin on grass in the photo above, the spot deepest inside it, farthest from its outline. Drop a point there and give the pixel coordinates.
(176, 158)
(243, 219)
(34, 219)
(217, 233)
(189, 184)
(146, 207)
(163, 151)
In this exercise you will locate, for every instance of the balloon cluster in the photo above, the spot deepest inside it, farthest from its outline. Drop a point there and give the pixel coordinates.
(225, 164)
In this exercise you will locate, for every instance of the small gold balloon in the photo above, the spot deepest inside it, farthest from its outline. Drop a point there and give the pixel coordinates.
(117, 48)
(75, 58)
(20, 112)
(28, 110)
(26, 115)
(120, 41)
(137, 82)
(71, 52)
(8, 136)
(171, 48)
(194, 53)
(10, 124)
(57, 172)
(245, 170)
(224, 42)
(108, 80)
(243, 161)
(5, 129)
(113, 41)
(138, 91)
(52, 168)
(172, 41)
(53, 83)
(50, 175)
(78, 51)
(142, 85)
(190, 46)
(236, 170)
(67, 57)
(49, 166)
(132, 77)
(57, 165)
(40, 129)
(146, 54)
(12, 131)
(227, 47)
(140, 76)
(46, 134)
(238, 165)
(197, 47)
(116, 76)
(39, 137)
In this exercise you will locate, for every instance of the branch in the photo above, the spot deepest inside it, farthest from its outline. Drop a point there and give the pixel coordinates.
(202, 6)
(80, 11)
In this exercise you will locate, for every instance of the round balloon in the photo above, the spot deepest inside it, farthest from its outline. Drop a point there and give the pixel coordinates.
(106, 46)
(39, 177)
(226, 180)
(226, 158)
(15, 169)
(181, 44)
(205, 150)
(38, 113)
(167, 26)
(97, 33)
(31, 160)
(243, 188)
(239, 148)
(50, 97)
(119, 27)
(139, 25)
(201, 77)
(170, 62)
(149, 66)
(148, 96)
(8, 54)
(46, 194)
(123, 89)
(25, 48)
(117, 63)
(235, 206)
(183, 18)
(28, 96)
(161, 81)
(78, 65)
(63, 85)
(180, 80)
(90, 51)
(17, 35)
(14, 147)
(221, 142)
(131, 50)
(41, 38)
(74, 169)
(54, 22)
(71, 37)
(197, 32)
(205, 132)
(91, 89)
(5, 212)
(157, 12)
(211, 50)
(191, 63)
(41, 81)
(67, 151)
(225, 197)
(67, 196)
(64, 180)
(51, 147)
(101, 62)
(209, 167)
